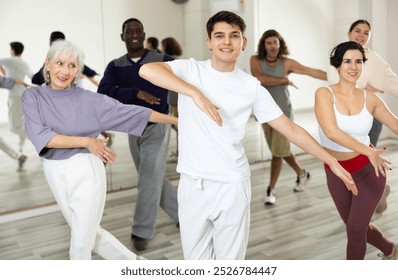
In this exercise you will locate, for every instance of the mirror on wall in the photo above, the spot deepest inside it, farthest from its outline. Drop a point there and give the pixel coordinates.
(96, 28)
(28, 189)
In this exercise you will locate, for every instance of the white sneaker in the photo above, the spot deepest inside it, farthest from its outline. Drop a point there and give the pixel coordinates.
(302, 181)
(394, 257)
(270, 197)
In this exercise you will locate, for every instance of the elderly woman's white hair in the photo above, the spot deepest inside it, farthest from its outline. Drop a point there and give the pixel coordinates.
(64, 48)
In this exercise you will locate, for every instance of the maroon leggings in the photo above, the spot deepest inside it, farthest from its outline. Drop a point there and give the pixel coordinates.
(357, 211)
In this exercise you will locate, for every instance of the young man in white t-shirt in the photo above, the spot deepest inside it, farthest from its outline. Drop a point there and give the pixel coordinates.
(18, 69)
(214, 191)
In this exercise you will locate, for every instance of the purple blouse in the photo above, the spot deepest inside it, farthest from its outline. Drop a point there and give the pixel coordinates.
(76, 112)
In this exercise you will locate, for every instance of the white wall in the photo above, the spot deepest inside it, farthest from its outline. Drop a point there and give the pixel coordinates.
(310, 27)
(389, 49)
(392, 39)
(306, 26)
(382, 16)
(95, 25)
(160, 19)
(196, 15)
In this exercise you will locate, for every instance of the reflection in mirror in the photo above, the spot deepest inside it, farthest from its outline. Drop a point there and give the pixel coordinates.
(28, 189)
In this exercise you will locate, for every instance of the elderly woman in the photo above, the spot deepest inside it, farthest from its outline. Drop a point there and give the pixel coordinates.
(63, 122)
(345, 115)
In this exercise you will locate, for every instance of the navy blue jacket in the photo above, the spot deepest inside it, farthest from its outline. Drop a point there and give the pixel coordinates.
(122, 81)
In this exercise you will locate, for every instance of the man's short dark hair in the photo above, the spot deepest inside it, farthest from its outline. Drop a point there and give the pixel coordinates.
(56, 35)
(17, 47)
(131, 19)
(225, 16)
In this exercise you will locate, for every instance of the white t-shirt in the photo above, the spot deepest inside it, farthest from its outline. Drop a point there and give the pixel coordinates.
(206, 150)
(17, 69)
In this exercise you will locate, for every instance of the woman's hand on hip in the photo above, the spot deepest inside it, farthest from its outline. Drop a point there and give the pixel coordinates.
(98, 147)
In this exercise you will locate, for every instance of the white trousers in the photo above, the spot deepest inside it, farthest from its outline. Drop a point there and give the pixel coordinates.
(214, 218)
(8, 149)
(16, 119)
(79, 187)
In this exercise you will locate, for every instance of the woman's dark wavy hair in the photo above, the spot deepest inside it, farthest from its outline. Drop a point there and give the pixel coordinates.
(171, 47)
(337, 53)
(262, 52)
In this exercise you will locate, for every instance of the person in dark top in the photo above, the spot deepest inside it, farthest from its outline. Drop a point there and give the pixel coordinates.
(152, 43)
(38, 78)
(122, 82)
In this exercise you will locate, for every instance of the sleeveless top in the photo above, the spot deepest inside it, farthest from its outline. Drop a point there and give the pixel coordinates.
(279, 93)
(357, 126)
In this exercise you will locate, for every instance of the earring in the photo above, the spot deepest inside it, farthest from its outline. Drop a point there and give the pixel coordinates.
(48, 74)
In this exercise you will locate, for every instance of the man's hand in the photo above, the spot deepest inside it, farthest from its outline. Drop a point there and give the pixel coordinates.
(22, 83)
(148, 98)
(209, 108)
(345, 176)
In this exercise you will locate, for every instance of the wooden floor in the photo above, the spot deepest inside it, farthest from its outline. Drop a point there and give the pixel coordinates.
(301, 226)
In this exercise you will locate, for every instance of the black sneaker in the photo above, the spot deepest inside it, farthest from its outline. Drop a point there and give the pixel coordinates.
(21, 162)
(140, 244)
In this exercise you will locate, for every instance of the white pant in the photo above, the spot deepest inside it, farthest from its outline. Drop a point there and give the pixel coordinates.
(79, 187)
(214, 218)
(8, 149)
(16, 120)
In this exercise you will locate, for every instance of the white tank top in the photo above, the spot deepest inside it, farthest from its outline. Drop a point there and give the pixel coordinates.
(357, 126)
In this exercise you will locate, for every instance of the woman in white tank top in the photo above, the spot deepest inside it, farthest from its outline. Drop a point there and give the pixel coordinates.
(344, 114)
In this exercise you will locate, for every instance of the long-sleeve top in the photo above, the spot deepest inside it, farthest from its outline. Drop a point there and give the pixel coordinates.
(76, 112)
(122, 81)
(7, 83)
(375, 71)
